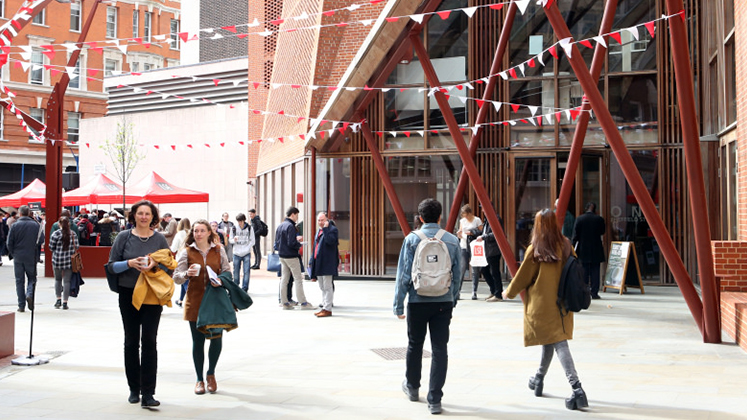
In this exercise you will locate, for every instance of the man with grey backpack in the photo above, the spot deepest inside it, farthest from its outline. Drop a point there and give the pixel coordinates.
(429, 274)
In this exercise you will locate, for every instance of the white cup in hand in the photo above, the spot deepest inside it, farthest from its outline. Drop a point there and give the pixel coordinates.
(193, 270)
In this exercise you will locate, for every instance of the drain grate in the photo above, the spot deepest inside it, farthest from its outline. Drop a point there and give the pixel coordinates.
(396, 353)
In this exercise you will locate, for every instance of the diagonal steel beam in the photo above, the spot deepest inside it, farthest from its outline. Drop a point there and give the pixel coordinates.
(600, 53)
(482, 114)
(467, 161)
(666, 245)
(694, 165)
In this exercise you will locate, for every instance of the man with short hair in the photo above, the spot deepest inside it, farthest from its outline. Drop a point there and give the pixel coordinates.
(587, 235)
(168, 228)
(287, 243)
(24, 239)
(226, 227)
(324, 260)
(73, 226)
(426, 312)
(243, 240)
(257, 228)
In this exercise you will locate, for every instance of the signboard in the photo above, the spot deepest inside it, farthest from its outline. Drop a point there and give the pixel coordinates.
(622, 268)
(35, 205)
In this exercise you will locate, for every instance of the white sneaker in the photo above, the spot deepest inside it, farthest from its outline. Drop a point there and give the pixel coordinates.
(307, 305)
(287, 306)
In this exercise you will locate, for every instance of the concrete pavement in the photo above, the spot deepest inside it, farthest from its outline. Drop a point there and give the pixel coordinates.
(638, 357)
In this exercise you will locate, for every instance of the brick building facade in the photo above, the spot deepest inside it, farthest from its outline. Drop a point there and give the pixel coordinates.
(146, 24)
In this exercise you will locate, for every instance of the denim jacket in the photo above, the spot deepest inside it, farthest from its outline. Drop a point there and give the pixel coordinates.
(404, 286)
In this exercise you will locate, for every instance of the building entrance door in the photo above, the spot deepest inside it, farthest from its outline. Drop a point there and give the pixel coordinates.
(533, 184)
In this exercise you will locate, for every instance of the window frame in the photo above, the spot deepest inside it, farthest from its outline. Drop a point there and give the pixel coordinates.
(42, 114)
(147, 26)
(42, 16)
(76, 133)
(135, 23)
(37, 52)
(111, 11)
(73, 5)
(174, 34)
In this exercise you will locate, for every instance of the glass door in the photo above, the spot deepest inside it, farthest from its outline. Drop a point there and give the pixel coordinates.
(534, 180)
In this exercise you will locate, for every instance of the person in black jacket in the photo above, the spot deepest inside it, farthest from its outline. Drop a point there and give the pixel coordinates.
(287, 243)
(587, 237)
(257, 227)
(24, 238)
(492, 271)
(324, 260)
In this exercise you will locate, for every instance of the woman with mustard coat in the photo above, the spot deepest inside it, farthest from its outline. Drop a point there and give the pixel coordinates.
(539, 276)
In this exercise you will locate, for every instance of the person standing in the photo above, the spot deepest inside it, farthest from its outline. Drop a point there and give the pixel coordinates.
(3, 235)
(288, 243)
(105, 227)
(260, 229)
(324, 260)
(587, 236)
(226, 226)
(73, 226)
(24, 239)
(129, 257)
(168, 228)
(243, 242)
(201, 251)
(85, 228)
(182, 231)
(63, 243)
(492, 271)
(470, 227)
(544, 324)
(426, 312)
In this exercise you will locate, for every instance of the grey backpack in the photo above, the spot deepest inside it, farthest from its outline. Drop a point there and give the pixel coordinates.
(431, 267)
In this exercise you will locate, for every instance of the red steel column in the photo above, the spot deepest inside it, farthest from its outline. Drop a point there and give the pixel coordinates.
(388, 186)
(600, 53)
(467, 161)
(694, 165)
(482, 114)
(629, 170)
(312, 206)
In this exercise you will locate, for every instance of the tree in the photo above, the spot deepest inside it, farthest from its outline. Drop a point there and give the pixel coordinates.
(123, 153)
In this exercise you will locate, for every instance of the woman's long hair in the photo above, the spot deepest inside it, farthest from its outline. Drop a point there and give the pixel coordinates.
(212, 236)
(546, 236)
(64, 223)
(184, 224)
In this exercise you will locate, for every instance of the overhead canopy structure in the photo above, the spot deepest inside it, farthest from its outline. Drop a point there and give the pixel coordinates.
(100, 190)
(36, 191)
(156, 189)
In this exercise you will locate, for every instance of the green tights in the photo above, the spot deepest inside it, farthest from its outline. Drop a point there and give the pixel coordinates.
(198, 351)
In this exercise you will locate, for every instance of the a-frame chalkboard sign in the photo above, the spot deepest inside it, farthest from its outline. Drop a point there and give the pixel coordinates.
(622, 268)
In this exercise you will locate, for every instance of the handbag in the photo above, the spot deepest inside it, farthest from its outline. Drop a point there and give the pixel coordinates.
(76, 261)
(112, 278)
(478, 254)
(273, 263)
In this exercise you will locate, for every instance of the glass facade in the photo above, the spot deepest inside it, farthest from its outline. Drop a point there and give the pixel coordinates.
(333, 196)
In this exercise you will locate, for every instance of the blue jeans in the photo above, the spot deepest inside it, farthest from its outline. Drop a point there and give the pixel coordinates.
(247, 260)
(24, 270)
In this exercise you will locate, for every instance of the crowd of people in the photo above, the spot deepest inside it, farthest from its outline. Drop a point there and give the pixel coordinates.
(149, 254)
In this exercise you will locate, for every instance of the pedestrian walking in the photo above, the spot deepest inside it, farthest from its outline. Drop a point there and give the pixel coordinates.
(242, 238)
(63, 243)
(24, 238)
(587, 236)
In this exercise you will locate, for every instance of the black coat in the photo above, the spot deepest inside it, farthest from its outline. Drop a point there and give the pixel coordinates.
(327, 259)
(587, 233)
(285, 239)
(491, 245)
(24, 238)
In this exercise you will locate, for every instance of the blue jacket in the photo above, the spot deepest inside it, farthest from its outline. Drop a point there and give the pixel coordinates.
(285, 239)
(24, 239)
(403, 285)
(327, 260)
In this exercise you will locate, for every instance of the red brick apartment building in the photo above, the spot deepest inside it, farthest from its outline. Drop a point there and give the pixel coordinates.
(521, 165)
(145, 22)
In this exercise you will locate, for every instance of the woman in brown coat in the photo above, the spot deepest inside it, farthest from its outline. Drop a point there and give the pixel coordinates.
(201, 251)
(544, 325)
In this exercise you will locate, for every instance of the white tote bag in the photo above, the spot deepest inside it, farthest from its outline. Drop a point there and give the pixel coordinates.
(478, 254)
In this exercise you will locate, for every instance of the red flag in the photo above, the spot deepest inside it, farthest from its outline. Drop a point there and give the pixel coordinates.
(479, 82)
(530, 63)
(256, 111)
(295, 86)
(93, 72)
(256, 84)
(54, 72)
(345, 125)
(616, 36)
(303, 137)
(444, 15)
(651, 27)
(173, 147)
(407, 133)
(277, 21)
(329, 13)
(49, 54)
(539, 120)
(157, 146)
(496, 6)
(331, 87)
(512, 72)
(207, 145)
(392, 19)
(242, 36)
(184, 36)
(91, 79)
(16, 24)
(524, 121)
(139, 40)
(88, 145)
(300, 119)
(241, 143)
(682, 14)
(365, 87)
(515, 107)
(574, 113)
(341, 24)
(558, 115)
(281, 112)
(380, 133)
(586, 43)
(341, 130)
(231, 28)
(460, 87)
(216, 81)
(480, 102)
(553, 51)
(223, 145)
(5, 49)
(190, 146)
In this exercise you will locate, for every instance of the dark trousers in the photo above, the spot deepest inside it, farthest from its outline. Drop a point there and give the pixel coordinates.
(591, 277)
(24, 270)
(435, 316)
(492, 273)
(257, 252)
(140, 371)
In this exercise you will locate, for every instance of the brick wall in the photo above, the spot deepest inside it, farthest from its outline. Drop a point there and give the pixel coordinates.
(730, 264)
(734, 317)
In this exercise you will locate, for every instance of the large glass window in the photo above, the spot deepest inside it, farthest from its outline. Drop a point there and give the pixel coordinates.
(75, 82)
(135, 23)
(73, 126)
(633, 104)
(110, 66)
(174, 34)
(627, 221)
(36, 77)
(111, 22)
(416, 178)
(75, 16)
(147, 30)
(333, 197)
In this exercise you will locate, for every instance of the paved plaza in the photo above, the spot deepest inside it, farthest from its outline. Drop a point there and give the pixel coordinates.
(638, 357)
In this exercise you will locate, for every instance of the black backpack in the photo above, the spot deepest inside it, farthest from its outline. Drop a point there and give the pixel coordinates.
(574, 294)
(262, 228)
(83, 229)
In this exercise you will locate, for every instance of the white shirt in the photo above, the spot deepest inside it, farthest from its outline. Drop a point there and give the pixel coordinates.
(465, 226)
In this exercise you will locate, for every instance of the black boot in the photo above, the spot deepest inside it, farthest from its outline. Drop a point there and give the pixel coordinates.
(577, 399)
(149, 402)
(536, 383)
(134, 397)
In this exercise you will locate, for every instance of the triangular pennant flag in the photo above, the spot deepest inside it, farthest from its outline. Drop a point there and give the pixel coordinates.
(586, 43)
(651, 28)
(254, 23)
(553, 51)
(574, 113)
(216, 36)
(568, 114)
(539, 120)
(565, 43)
(417, 18)
(515, 107)
(534, 123)
(533, 109)
(521, 67)
(367, 22)
(93, 72)
(558, 116)
(231, 28)
(470, 11)
(256, 84)
(522, 4)
(512, 72)
(444, 14)
(302, 16)
(616, 36)
(480, 102)
(600, 41)
(497, 106)
(164, 96)
(539, 58)
(216, 81)
(265, 33)
(173, 147)
(122, 48)
(634, 31)
(549, 118)
(463, 99)
(474, 130)
(503, 75)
